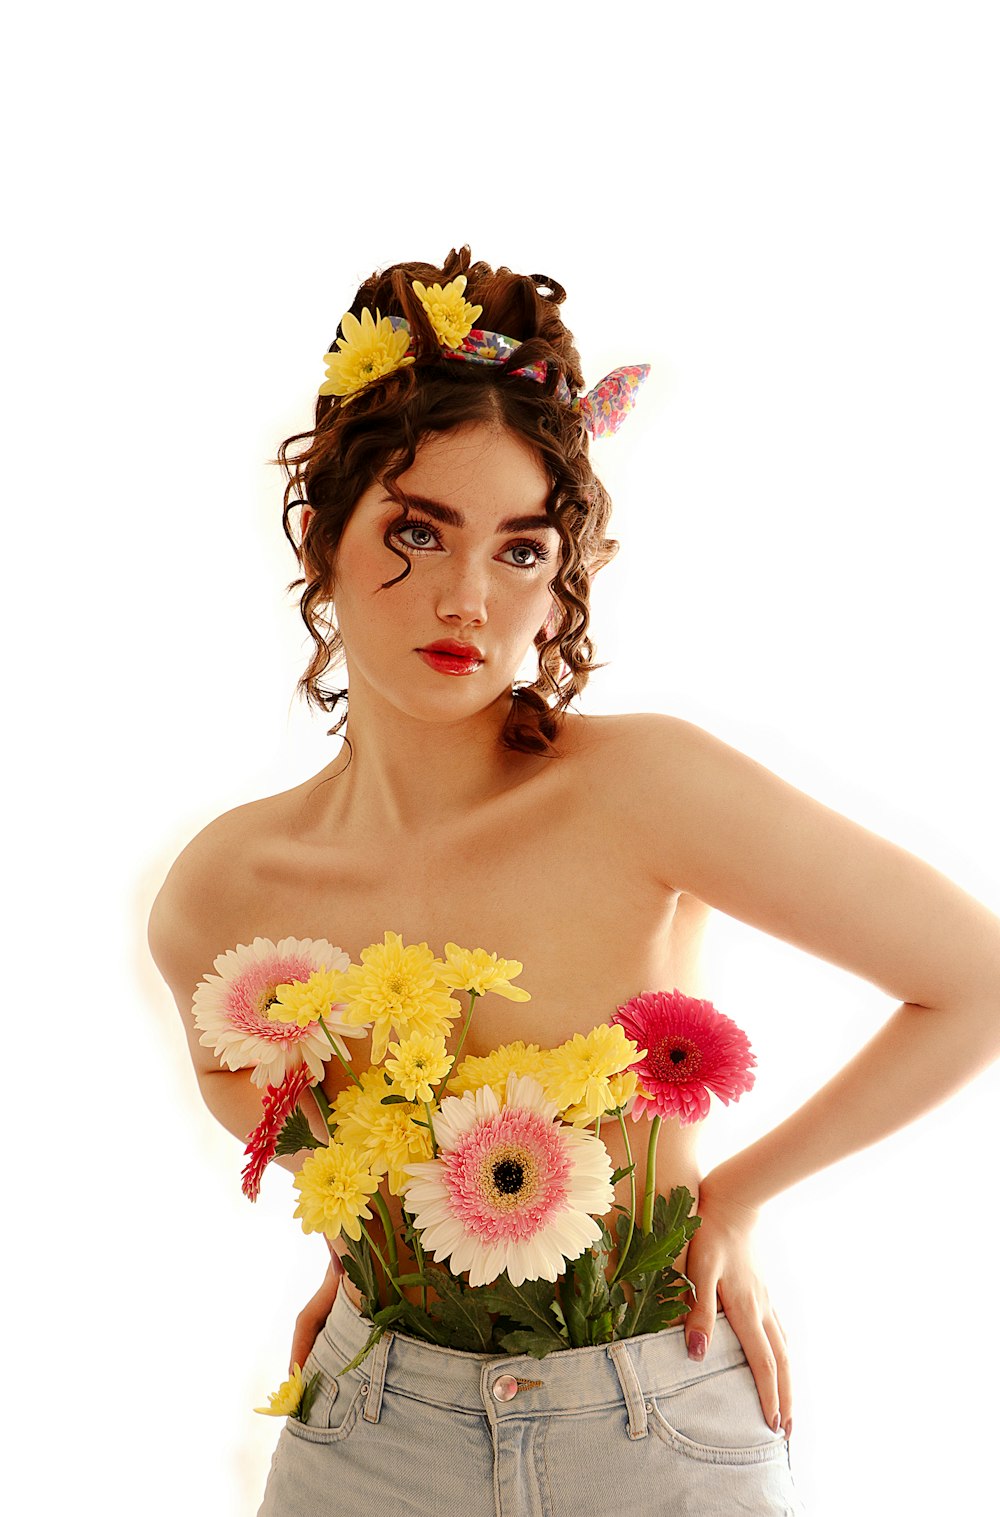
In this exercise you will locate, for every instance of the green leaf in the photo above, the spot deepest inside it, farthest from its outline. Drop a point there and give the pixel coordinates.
(620, 1174)
(391, 1100)
(600, 1328)
(657, 1314)
(359, 1265)
(652, 1254)
(424, 1326)
(295, 1134)
(621, 1228)
(410, 1233)
(389, 1314)
(420, 1279)
(309, 1396)
(671, 1214)
(672, 1229)
(590, 1281)
(529, 1304)
(380, 1322)
(657, 1302)
(373, 1338)
(536, 1344)
(461, 1310)
(607, 1242)
(573, 1308)
(557, 1312)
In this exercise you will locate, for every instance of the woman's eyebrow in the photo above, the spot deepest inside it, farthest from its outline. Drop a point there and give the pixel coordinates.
(453, 518)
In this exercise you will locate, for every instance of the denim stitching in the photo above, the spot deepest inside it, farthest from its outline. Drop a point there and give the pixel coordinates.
(634, 1399)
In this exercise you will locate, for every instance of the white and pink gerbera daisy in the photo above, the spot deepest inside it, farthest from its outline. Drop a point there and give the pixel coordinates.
(231, 1009)
(511, 1189)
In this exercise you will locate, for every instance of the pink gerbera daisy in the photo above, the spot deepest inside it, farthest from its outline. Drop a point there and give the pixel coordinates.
(512, 1189)
(691, 1049)
(231, 1008)
(279, 1102)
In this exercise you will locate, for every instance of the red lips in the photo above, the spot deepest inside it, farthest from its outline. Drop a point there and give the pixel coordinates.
(456, 649)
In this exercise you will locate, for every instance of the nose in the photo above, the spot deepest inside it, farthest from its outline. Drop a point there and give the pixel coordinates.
(462, 597)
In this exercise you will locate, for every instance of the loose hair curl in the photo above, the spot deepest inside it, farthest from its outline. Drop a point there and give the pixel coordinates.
(375, 437)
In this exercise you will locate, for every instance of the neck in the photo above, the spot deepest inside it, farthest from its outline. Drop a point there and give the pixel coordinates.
(415, 777)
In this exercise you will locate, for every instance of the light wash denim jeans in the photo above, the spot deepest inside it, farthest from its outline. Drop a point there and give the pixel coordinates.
(634, 1427)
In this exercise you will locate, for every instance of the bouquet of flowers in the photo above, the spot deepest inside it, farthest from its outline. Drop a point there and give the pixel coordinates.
(497, 1160)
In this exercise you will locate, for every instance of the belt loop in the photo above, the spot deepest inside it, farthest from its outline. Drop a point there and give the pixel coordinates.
(378, 1360)
(638, 1425)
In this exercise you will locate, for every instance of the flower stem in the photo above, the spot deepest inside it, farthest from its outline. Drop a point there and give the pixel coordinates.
(420, 1255)
(337, 1051)
(319, 1096)
(647, 1205)
(390, 1235)
(623, 1251)
(430, 1124)
(385, 1268)
(472, 1003)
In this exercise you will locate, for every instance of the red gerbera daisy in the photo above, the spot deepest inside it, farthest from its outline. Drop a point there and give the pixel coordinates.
(279, 1102)
(691, 1049)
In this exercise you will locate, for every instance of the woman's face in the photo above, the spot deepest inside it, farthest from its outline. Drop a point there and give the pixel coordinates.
(474, 577)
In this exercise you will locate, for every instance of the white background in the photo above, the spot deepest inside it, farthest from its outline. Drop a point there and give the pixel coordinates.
(790, 212)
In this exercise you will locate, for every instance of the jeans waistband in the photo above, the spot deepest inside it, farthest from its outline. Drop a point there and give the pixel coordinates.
(516, 1385)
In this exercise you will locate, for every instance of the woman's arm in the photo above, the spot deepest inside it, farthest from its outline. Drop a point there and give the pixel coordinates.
(742, 840)
(730, 832)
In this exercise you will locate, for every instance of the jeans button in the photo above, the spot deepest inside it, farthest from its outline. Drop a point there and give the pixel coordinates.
(504, 1388)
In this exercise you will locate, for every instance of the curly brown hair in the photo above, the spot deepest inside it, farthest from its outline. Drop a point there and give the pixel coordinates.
(375, 438)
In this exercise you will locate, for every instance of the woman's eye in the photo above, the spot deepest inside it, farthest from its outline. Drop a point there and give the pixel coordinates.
(539, 551)
(416, 529)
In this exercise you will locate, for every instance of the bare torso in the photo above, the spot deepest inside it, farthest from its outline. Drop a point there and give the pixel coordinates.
(551, 873)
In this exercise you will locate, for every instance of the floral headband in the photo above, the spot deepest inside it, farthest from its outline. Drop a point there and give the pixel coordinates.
(371, 348)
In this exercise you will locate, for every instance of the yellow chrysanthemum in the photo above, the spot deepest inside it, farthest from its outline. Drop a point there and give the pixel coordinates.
(475, 969)
(449, 313)
(493, 1068)
(287, 1399)
(398, 988)
(422, 1061)
(344, 1102)
(578, 1071)
(384, 1137)
(408, 1144)
(303, 1002)
(622, 1087)
(369, 349)
(335, 1184)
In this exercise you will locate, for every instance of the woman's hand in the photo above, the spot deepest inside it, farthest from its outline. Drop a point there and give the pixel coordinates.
(720, 1259)
(315, 1312)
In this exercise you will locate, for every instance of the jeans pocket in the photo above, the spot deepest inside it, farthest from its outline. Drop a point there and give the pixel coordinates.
(335, 1406)
(717, 1417)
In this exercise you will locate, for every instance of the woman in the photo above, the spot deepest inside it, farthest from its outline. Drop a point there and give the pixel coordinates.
(454, 502)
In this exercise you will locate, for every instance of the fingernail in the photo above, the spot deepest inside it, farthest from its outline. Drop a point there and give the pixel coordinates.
(788, 1429)
(775, 1421)
(697, 1344)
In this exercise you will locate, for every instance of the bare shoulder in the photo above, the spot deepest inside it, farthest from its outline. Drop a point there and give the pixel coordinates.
(726, 829)
(183, 927)
(639, 759)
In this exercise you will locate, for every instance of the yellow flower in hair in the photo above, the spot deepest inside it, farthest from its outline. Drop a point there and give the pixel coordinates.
(450, 314)
(368, 351)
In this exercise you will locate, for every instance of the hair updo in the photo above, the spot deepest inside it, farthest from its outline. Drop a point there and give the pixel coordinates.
(375, 437)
